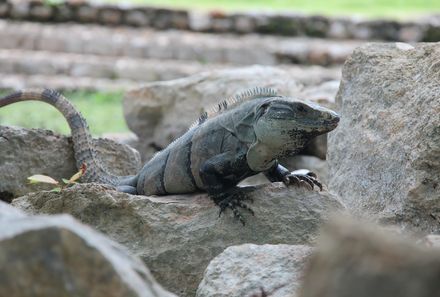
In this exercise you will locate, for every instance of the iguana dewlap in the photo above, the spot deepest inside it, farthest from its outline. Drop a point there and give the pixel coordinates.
(243, 136)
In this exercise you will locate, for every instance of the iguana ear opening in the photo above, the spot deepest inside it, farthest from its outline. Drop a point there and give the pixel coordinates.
(260, 157)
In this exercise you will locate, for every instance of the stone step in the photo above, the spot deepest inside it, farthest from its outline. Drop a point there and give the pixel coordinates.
(43, 63)
(26, 62)
(173, 44)
(30, 72)
(62, 82)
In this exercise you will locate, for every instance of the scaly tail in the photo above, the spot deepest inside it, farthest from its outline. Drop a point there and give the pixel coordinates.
(83, 146)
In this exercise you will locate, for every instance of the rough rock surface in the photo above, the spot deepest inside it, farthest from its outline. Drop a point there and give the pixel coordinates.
(160, 112)
(384, 157)
(177, 236)
(57, 256)
(356, 259)
(249, 270)
(25, 152)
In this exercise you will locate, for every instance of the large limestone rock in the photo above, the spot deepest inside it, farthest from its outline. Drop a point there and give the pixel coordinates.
(25, 152)
(57, 256)
(162, 111)
(177, 236)
(384, 157)
(250, 270)
(357, 259)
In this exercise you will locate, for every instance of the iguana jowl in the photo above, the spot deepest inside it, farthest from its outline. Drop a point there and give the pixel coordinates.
(243, 136)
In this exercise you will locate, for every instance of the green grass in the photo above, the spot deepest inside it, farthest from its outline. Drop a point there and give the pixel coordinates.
(368, 8)
(103, 112)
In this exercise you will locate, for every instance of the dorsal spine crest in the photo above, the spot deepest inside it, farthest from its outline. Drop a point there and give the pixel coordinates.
(234, 101)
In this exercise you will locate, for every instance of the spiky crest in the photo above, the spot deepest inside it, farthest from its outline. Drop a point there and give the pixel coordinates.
(232, 102)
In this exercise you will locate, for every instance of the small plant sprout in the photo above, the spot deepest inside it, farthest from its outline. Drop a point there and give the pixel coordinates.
(39, 178)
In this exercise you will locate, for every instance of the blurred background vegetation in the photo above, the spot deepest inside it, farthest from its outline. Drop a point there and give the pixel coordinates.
(101, 109)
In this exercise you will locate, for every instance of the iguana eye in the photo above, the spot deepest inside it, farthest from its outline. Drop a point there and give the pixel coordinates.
(263, 108)
(301, 108)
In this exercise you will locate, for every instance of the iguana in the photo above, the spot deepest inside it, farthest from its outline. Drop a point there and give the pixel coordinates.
(244, 135)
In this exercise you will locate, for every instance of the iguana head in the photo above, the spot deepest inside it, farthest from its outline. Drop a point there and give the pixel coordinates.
(291, 123)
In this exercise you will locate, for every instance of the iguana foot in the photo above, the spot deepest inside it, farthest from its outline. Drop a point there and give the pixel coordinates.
(302, 177)
(233, 199)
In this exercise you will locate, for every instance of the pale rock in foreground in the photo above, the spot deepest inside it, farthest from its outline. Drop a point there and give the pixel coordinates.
(177, 236)
(248, 270)
(384, 157)
(356, 258)
(25, 152)
(55, 256)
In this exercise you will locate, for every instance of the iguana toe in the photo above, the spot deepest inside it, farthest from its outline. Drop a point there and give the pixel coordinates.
(233, 200)
(302, 177)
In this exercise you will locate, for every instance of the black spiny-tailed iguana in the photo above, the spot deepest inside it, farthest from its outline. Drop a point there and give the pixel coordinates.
(243, 136)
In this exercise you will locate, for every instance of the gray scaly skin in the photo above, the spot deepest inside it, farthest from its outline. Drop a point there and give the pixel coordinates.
(244, 136)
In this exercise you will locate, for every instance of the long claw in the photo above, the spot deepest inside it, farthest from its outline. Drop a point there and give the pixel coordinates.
(318, 184)
(306, 183)
(308, 180)
(304, 178)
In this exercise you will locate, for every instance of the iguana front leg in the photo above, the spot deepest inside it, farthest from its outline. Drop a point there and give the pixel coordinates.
(302, 177)
(220, 175)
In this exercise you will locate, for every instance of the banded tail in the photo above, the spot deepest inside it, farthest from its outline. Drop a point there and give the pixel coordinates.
(84, 149)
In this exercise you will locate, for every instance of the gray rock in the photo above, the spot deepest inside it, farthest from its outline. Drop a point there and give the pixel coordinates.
(4, 9)
(57, 256)
(323, 93)
(177, 236)
(357, 259)
(110, 15)
(7, 212)
(249, 270)
(431, 240)
(41, 12)
(384, 157)
(87, 13)
(160, 112)
(137, 17)
(26, 152)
